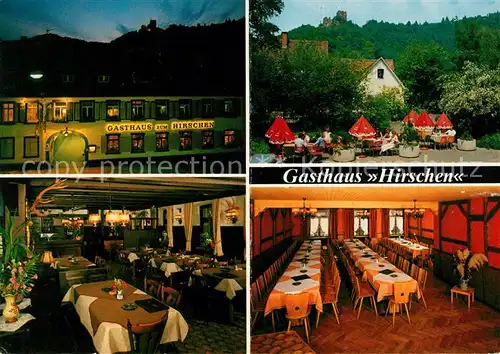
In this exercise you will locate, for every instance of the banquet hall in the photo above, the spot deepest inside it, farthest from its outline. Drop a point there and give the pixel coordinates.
(358, 269)
(112, 265)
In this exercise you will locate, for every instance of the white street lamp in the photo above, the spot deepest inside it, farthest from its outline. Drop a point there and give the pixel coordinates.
(36, 75)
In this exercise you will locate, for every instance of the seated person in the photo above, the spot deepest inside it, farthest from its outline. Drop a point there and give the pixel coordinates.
(299, 144)
(327, 136)
(387, 135)
(306, 138)
(451, 132)
(389, 144)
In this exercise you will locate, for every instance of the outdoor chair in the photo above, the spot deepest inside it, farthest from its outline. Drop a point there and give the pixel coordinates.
(145, 338)
(443, 142)
(401, 297)
(298, 309)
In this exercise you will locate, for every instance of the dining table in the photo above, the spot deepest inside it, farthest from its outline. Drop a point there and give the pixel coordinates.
(401, 246)
(105, 318)
(380, 273)
(303, 274)
(70, 263)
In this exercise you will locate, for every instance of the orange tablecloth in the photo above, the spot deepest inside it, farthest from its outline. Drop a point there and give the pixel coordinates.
(400, 247)
(277, 297)
(382, 283)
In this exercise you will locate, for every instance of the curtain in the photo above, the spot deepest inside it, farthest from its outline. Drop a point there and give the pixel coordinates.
(332, 224)
(406, 225)
(386, 223)
(372, 223)
(188, 224)
(216, 209)
(349, 223)
(170, 225)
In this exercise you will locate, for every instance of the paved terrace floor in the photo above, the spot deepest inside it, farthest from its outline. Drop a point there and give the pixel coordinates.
(429, 156)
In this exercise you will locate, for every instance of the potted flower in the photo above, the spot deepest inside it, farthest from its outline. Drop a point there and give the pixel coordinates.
(465, 263)
(18, 271)
(466, 142)
(117, 288)
(207, 242)
(343, 148)
(409, 146)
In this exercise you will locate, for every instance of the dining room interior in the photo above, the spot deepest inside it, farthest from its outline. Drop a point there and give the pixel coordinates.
(113, 265)
(358, 269)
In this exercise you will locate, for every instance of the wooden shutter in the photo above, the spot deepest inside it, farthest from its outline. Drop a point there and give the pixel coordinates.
(50, 112)
(237, 112)
(150, 142)
(69, 112)
(125, 143)
(197, 108)
(76, 111)
(127, 113)
(104, 144)
(219, 108)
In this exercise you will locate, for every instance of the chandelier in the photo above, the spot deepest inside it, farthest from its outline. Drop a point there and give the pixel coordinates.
(72, 223)
(94, 219)
(304, 212)
(416, 213)
(113, 218)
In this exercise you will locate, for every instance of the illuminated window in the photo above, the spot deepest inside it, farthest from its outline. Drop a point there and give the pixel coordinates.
(87, 111)
(361, 218)
(103, 79)
(137, 110)
(396, 222)
(208, 108)
(229, 138)
(161, 141)
(68, 78)
(113, 144)
(228, 107)
(6, 148)
(60, 111)
(319, 224)
(162, 109)
(185, 141)
(137, 143)
(8, 113)
(113, 110)
(380, 73)
(207, 139)
(31, 146)
(32, 113)
(185, 108)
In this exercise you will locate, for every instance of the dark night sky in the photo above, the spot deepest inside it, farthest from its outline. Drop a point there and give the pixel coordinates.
(105, 20)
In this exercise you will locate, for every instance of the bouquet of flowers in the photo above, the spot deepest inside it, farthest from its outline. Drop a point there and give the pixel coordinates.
(118, 285)
(206, 240)
(465, 263)
(18, 277)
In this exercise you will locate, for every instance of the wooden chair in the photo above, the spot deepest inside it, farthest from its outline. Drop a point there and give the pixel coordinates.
(414, 271)
(99, 261)
(298, 309)
(257, 306)
(331, 296)
(400, 262)
(405, 266)
(364, 290)
(392, 257)
(74, 277)
(96, 274)
(152, 286)
(145, 338)
(451, 141)
(173, 296)
(422, 281)
(401, 297)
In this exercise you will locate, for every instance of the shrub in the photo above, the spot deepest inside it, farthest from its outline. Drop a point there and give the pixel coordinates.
(490, 141)
(409, 136)
(259, 146)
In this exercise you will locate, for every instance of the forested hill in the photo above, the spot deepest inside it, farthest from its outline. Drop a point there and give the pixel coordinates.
(382, 39)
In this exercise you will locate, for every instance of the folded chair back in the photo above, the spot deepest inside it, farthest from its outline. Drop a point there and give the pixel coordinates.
(297, 305)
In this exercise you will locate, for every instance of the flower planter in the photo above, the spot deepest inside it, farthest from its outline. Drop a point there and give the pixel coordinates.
(347, 155)
(409, 151)
(466, 145)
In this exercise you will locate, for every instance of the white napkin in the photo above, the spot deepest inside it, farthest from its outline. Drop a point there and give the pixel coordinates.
(230, 286)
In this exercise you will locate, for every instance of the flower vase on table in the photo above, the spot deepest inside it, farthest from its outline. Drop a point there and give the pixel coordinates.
(118, 286)
(119, 295)
(11, 310)
(464, 284)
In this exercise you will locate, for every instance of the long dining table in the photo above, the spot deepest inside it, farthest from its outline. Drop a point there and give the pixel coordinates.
(401, 246)
(286, 284)
(380, 273)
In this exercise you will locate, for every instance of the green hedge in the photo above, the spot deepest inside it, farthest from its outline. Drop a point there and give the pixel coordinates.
(490, 141)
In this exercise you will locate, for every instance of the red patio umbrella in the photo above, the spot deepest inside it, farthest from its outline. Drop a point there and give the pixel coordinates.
(362, 129)
(443, 122)
(411, 117)
(279, 132)
(424, 122)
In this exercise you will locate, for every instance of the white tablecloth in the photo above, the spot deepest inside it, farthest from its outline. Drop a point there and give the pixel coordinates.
(132, 257)
(288, 288)
(12, 327)
(297, 272)
(230, 286)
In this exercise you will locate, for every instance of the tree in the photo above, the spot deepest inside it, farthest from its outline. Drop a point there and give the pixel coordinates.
(383, 108)
(473, 97)
(262, 32)
(420, 66)
(315, 88)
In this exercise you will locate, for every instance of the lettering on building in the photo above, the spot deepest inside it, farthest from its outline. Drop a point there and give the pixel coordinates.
(193, 125)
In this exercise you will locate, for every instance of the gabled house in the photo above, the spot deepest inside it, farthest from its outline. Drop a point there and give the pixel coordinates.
(380, 75)
(321, 47)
